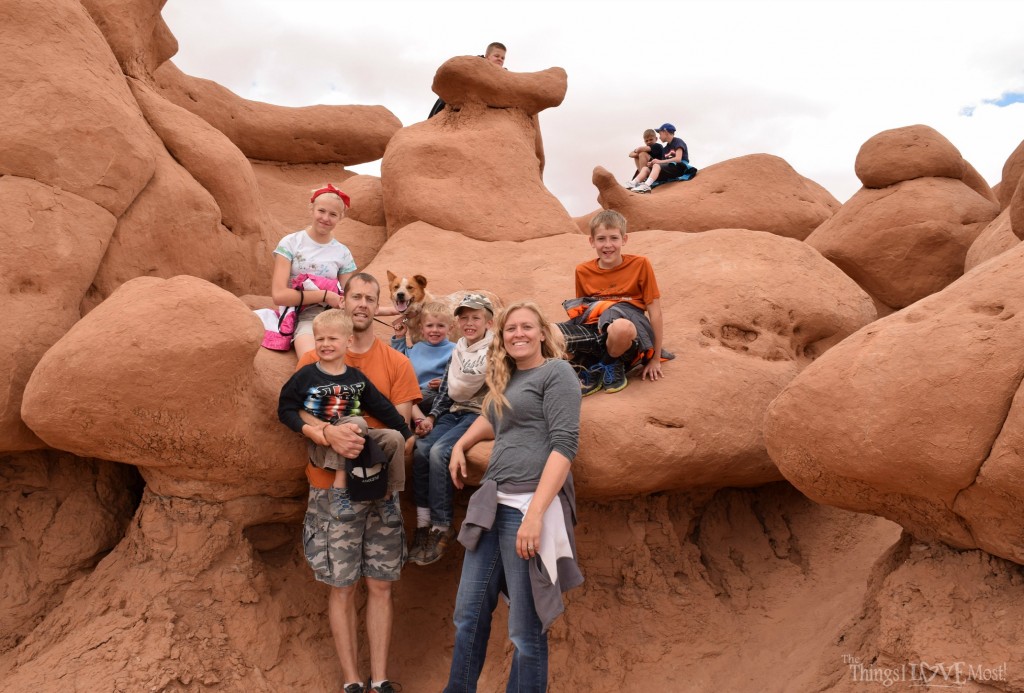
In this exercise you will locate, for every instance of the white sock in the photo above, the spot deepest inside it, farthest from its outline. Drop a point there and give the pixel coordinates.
(422, 517)
(376, 683)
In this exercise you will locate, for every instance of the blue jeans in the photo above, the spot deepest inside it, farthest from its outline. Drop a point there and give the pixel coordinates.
(484, 571)
(431, 482)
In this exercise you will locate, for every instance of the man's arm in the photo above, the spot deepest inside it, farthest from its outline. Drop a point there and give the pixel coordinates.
(653, 367)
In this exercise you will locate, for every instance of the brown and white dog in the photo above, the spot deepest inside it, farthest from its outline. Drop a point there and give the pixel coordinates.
(409, 293)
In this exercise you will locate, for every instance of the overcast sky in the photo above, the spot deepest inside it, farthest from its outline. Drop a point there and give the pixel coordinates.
(808, 81)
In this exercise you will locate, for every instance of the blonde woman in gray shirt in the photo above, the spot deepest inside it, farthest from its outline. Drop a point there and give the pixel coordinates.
(518, 529)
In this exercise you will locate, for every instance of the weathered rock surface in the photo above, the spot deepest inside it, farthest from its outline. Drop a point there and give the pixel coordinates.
(759, 192)
(932, 617)
(178, 604)
(177, 396)
(500, 195)
(929, 418)
(906, 241)
(181, 597)
(136, 33)
(61, 515)
(994, 240)
(99, 148)
(744, 312)
(208, 155)
(468, 79)
(1013, 170)
(306, 135)
(916, 151)
(1017, 210)
(53, 243)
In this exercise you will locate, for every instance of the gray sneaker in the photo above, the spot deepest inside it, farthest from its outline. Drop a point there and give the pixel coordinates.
(437, 542)
(642, 188)
(419, 545)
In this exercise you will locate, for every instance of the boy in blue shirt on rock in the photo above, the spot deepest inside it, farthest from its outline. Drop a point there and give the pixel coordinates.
(457, 405)
(430, 355)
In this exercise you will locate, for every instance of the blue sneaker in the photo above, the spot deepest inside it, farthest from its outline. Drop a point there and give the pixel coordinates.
(591, 379)
(614, 376)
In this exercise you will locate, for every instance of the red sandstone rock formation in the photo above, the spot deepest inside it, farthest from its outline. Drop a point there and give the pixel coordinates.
(689, 590)
(927, 432)
(1013, 169)
(994, 240)
(744, 312)
(313, 134)
(433, 171)
(905, 235)
(758, 192)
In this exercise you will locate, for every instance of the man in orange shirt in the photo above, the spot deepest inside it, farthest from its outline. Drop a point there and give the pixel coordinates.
(616, 316)
(340, 549)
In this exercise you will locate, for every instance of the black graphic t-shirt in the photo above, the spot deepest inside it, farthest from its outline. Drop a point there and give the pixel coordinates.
(331, 397)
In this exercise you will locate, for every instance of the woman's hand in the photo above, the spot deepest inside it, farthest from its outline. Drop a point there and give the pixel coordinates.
(528, 536)
(457, 466)
(332, 299)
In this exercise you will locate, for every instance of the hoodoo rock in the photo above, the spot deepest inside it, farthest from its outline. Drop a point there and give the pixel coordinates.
(928, 430)
(759, 192)
(346, 135)
(906, 241)
(433, 171)
(169, 375)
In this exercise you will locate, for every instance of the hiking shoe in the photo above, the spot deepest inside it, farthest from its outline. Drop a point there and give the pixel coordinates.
(642, 188)
(591, 380)
(354, 688)
(630, 185)
(384, 687)
(419, 543)
(614, 376)
(437, 542)
(340, 502)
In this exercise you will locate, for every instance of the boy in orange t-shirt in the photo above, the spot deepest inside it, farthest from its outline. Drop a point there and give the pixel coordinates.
(616, 317)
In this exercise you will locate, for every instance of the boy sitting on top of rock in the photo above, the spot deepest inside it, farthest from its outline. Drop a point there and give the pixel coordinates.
(642, 155)
(616, 320)
(495, 53)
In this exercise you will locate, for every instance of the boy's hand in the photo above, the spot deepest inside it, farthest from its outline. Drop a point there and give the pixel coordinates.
(425, 426)
(344, 439)
(316, 433)
(401, 326)
(457, 466)
(434, 384)
(653, 369)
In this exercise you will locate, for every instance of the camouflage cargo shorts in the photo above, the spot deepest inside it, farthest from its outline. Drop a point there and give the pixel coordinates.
(344, 540)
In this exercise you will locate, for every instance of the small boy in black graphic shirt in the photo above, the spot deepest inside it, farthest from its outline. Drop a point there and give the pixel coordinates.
(336, 393)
